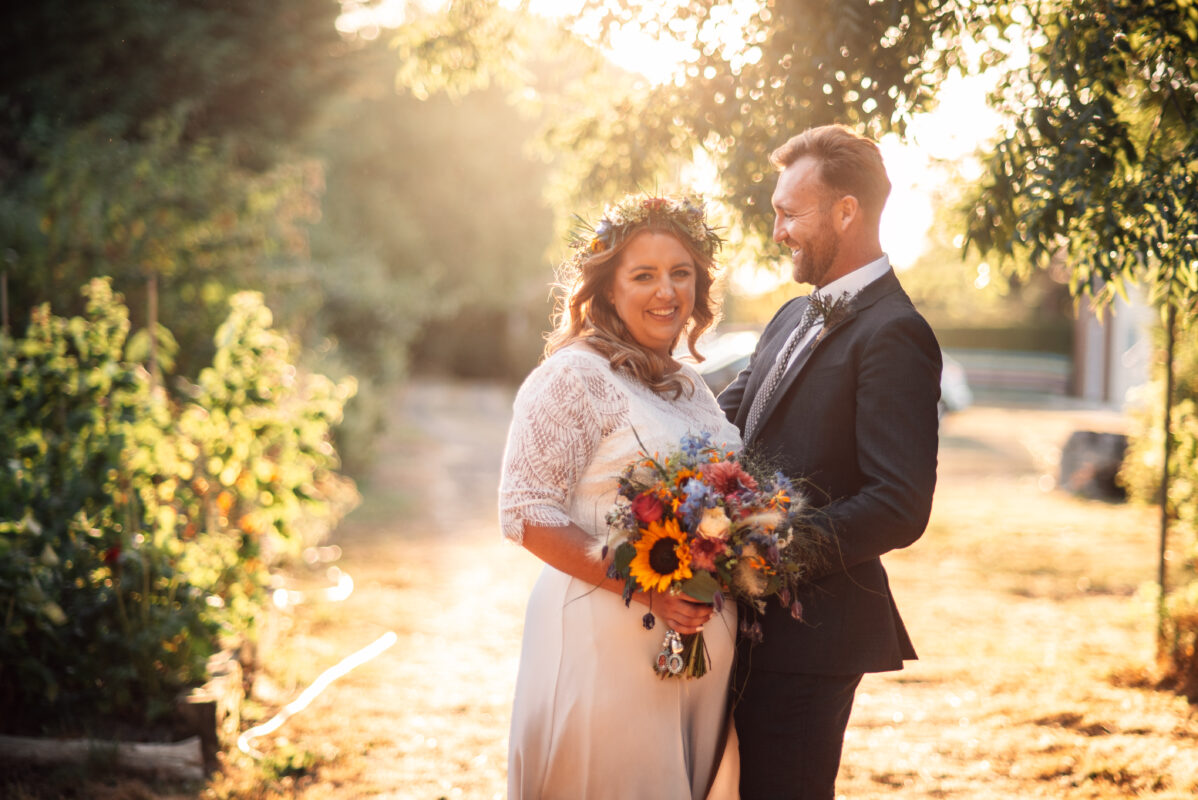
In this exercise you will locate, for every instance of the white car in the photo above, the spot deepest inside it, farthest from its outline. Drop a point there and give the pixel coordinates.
(728, 353)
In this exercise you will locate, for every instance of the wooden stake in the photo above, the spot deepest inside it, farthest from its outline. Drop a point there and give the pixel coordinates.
(1161, 574)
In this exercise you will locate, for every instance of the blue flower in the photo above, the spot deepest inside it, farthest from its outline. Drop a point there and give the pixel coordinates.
(698, 497)
(603, 231)
(693, 445)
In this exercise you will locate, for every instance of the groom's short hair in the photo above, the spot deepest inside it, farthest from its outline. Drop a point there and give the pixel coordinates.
(849, 163)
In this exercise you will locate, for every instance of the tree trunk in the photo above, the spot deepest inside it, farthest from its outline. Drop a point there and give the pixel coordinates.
(1170, 344)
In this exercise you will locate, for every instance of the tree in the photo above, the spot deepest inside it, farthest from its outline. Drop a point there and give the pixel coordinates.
(156, 209)
(1099, 161)
(759, 73)
(155, 142)
(245, 70)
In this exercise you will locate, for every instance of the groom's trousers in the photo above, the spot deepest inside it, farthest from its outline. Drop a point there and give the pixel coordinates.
(791, 730)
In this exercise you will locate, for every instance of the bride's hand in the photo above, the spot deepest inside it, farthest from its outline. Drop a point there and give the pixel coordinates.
(680, 613)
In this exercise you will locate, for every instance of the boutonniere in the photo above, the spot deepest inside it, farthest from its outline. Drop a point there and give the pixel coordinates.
(832, 311)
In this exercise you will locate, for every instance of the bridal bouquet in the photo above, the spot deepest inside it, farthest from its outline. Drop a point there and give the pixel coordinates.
(699, 522)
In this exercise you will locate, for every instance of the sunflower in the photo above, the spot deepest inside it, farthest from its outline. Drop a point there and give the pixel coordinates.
(662, 556)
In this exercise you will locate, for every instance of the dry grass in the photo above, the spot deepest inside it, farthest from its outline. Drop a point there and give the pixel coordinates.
(1022, 601)
(1024, 605)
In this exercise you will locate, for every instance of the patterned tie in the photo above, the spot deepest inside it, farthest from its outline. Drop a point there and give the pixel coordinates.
(770, 384)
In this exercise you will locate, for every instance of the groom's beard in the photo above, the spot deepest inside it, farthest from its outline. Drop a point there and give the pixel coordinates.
(816, 255)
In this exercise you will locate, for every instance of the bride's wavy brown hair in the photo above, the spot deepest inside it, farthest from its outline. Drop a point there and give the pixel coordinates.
(584, 314)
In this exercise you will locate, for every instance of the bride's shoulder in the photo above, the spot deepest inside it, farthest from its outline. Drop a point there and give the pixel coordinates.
(579, 354)
(573, 370)
(575, 360)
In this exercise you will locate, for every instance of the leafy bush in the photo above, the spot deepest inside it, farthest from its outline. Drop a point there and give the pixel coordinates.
(1141, 474)
(137, 531)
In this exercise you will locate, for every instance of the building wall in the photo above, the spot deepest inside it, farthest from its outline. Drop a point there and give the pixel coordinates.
(1112, 351)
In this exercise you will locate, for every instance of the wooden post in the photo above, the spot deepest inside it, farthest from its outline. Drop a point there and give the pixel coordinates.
(1161, 574)
(170, 759)
(213, 711)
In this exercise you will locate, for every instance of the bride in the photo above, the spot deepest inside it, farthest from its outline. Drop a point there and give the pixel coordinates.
(591, 719)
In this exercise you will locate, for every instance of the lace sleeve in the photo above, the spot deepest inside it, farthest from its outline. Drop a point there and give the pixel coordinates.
(562, 412)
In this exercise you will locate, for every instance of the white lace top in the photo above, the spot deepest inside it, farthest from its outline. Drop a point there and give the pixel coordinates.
(572, 434)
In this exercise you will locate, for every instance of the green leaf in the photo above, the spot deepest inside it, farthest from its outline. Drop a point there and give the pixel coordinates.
(702, 586)
(623, 558)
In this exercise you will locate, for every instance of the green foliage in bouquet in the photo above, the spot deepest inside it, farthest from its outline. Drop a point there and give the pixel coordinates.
(1141, 474)
(136, 531)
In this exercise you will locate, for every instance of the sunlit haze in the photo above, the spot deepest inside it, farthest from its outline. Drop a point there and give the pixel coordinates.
(950, 133)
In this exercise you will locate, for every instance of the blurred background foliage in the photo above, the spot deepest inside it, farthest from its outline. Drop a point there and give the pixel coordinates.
(1096, 168)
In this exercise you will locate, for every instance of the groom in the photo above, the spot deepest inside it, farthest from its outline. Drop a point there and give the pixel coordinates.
(841, 394)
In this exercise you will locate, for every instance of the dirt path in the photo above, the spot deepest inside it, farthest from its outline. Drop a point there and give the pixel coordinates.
(427, 718)
(1021, 601)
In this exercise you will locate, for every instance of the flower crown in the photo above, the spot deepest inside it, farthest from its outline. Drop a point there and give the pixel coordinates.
(682, 215)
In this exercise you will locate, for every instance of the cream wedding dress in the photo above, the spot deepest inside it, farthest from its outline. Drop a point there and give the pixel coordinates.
(591, 719)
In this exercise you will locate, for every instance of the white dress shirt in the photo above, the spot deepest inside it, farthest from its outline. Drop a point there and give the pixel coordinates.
(848, 285)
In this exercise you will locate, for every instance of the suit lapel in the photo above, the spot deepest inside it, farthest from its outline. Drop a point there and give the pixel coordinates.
(865, 298)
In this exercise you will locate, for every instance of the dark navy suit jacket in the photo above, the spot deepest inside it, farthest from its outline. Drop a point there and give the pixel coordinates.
(854, 424)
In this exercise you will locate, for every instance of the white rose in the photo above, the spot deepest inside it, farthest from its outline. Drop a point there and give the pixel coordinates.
(715, 524)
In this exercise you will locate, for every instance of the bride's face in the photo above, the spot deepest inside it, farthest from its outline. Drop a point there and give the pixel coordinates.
(653, 290)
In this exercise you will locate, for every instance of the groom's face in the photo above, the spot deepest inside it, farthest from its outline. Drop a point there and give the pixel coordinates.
(803, 222)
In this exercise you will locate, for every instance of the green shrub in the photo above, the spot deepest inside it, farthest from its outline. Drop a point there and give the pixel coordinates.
(137, 530)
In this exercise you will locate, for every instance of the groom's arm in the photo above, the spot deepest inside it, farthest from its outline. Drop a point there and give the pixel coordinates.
(730, 399)
(734, 392)
(897, 433)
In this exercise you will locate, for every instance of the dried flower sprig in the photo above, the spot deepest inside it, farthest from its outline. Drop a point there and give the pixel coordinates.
(832, 310)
